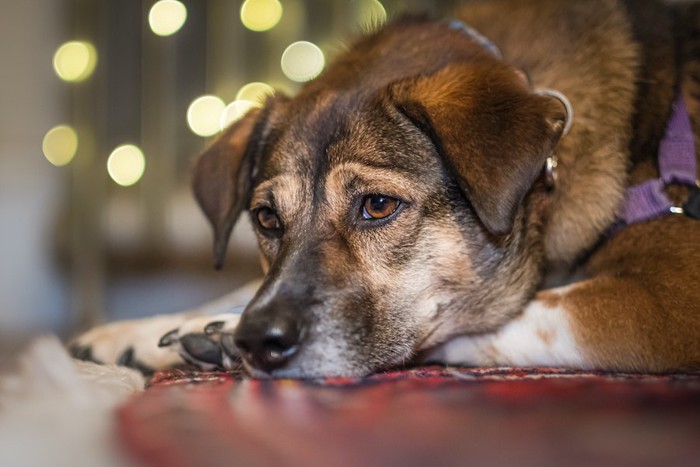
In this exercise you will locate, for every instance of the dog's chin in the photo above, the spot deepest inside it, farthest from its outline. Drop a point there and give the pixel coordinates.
(311, 370)
(317, 368)
(303, 373)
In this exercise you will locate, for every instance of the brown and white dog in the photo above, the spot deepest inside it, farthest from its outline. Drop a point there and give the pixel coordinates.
(409, 208)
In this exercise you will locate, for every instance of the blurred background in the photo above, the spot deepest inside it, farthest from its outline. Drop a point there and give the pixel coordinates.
(104, 104)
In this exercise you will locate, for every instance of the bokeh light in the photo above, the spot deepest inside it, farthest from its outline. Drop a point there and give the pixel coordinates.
(255, 92)
(249, 96)
(167, 17)
(302, 61)
(236, 110)
(204, 115)
(75, 60)
(261, 15)
(60, 145)
(126, 165)
(371, 14)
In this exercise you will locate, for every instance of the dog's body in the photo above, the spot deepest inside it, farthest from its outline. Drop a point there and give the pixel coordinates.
(403, 211)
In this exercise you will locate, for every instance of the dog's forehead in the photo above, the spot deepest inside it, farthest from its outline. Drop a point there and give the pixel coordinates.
(307, 129)
(345, 127)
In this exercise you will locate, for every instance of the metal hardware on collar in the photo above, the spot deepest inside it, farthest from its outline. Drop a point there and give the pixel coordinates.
(550, 171)
(475, 35)
(565, 102)
(676, 210)
(552, 162)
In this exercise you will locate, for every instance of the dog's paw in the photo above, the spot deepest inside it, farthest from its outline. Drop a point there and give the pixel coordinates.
(131, 343)
(205, 341)
(162, 342)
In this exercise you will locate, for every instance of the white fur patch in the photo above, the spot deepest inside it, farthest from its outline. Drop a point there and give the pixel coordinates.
(541, 336)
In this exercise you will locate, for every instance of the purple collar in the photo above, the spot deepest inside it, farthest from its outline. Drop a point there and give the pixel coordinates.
(677, 165)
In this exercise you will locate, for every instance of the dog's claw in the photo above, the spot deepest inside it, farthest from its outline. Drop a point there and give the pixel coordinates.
(169, 338)
(214, 327)
(201, 348)
(127, 359)
(81, 352)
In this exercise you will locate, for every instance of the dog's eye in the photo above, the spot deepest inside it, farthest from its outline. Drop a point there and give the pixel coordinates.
(267, 218)
(379, 206)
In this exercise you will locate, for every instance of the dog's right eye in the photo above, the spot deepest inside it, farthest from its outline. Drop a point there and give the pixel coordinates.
(268, 220)
(378, 207)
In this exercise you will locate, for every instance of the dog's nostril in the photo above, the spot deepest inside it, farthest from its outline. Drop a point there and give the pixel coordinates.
(278, 348)
(271, 347)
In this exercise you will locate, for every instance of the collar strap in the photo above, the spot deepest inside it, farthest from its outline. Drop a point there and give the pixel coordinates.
(476, 36)
(677, 165)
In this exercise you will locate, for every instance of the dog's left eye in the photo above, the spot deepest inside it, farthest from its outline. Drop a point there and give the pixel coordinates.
(375, 207)
(268, 220)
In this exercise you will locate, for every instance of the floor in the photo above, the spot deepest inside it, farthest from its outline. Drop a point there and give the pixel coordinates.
(428, 416)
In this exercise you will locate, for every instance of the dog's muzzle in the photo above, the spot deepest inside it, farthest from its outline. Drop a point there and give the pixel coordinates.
(268, 338)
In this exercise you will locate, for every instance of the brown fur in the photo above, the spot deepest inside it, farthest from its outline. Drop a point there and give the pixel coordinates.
(423, 114)
(593, 63)
(641, 309)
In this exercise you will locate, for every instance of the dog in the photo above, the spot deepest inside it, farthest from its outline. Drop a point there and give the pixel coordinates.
(460, 191)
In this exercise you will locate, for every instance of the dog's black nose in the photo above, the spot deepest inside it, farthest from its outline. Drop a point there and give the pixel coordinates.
(268, 340)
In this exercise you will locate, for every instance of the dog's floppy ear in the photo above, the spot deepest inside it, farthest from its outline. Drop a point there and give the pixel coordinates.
(221, 180)
(489, 128)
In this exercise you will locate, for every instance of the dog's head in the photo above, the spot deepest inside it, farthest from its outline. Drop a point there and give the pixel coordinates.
(395, 202)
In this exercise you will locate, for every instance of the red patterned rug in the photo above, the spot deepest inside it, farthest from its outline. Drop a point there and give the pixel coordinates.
(424, 417)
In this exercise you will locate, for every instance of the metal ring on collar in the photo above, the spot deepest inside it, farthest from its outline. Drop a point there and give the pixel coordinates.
(565, 102)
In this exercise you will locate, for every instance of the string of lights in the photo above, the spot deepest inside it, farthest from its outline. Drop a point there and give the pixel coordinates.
(141, 87)
(75, 61)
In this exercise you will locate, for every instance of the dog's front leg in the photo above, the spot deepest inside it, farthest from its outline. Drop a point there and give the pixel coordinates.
(164, 341)
(639, 310)
(543, 335)
(637, 313)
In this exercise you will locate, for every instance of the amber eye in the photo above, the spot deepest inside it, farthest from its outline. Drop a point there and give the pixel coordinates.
(267, 218)
(379, 206)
